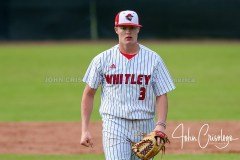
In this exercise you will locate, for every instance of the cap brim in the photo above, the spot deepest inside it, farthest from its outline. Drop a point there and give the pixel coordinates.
(128, 24)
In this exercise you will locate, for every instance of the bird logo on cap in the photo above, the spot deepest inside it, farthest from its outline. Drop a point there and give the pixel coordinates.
(129, 17)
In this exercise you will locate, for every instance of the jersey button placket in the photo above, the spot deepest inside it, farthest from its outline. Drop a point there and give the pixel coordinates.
(128, 85)
(125, 85)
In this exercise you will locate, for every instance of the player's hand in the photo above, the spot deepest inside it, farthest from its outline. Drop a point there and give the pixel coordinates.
(159, 128)
(86, 139)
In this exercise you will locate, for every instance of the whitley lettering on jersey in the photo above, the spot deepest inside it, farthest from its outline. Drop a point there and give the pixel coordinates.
(127, 79)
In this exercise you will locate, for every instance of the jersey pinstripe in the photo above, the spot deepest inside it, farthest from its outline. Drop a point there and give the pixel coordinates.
(129, 87)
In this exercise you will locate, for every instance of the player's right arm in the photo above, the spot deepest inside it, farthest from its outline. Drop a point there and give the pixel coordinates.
(86, 110)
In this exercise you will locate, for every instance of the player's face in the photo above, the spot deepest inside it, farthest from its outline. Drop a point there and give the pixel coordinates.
(127, 34)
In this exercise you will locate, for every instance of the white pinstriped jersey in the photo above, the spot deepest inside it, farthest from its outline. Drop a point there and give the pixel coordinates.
(129, 87)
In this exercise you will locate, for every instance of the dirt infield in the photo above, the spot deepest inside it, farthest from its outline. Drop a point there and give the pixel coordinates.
(63, 138)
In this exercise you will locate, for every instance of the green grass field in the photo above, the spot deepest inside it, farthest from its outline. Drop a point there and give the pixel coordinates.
(206, 75)
(101, 157)
(43, 83)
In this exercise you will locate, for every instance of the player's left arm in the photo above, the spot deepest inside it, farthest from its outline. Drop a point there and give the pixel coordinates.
(161, 111)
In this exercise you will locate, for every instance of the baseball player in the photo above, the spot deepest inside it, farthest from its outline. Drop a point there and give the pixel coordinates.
(134, 84)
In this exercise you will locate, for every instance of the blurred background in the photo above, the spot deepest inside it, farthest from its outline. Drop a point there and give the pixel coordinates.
(39, 80)
(94, 19)
(42, 82)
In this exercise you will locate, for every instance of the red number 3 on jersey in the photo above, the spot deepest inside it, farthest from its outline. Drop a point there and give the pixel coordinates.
(142, 93)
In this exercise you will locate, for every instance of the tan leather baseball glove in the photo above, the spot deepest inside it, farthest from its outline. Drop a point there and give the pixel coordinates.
(148, 147)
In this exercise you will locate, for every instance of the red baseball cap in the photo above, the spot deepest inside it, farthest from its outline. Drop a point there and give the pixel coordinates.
(127, 18)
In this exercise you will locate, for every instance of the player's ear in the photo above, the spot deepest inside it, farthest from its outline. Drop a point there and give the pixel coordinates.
(116, 29)
(139, 29)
